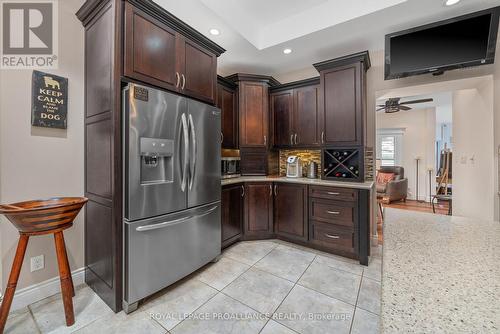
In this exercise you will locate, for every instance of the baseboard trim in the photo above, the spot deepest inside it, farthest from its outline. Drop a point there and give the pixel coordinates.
(31, 294)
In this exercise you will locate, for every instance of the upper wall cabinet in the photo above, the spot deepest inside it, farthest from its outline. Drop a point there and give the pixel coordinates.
(253, 100)
(342, 101)
(157, 54)
(294, 109)
(227, 102)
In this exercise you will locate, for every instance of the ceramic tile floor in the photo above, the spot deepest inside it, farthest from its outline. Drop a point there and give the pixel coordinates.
(256, 287)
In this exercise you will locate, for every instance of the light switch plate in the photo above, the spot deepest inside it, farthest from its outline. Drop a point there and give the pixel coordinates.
(37, 263)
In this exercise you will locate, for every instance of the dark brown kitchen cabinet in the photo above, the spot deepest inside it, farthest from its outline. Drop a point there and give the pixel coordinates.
(198, 70)
(150, 49)
(254, 114)
(282, 111)
(128, 40)
(305, 116)
(290, 211)
(232, 213)
(157, 54)
(342, 101)
(294, 110)
(258, 210)
(227, 102)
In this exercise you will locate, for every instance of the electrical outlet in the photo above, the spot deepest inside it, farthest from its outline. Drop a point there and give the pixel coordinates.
(37, 263)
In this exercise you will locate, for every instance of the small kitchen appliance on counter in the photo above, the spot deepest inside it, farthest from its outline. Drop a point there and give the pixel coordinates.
(312, 170)
(293, 166)
(230, 167)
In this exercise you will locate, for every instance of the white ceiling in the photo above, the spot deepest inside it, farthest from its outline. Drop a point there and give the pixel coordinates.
(272, 22)
(255, 32)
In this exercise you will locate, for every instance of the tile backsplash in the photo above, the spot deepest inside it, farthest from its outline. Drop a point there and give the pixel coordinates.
(305, 155)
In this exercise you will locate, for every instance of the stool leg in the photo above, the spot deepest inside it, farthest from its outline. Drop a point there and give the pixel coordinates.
(65, 276)
(13, 277)
(67, 265)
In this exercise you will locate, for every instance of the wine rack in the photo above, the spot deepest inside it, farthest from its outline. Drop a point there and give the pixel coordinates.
(343, 164)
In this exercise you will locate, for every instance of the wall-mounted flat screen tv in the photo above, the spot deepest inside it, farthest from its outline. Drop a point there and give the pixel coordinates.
(464, 41)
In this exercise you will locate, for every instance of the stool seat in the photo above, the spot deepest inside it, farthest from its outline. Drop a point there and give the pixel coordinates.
(41, 217)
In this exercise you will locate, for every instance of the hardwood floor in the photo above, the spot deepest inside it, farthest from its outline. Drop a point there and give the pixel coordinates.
(411, 205)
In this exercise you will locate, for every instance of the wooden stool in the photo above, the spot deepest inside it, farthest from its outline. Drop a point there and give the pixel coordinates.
(41, 217)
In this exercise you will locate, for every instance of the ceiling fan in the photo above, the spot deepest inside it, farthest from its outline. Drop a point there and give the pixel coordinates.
(393, 105)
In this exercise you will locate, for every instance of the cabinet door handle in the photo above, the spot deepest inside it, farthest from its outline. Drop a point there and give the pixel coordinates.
(265, 140)
(332, 193)
(221, 137)
(275, 190)
(291, 139)
(333, 212)
(242, 191)
(270, 190)
(177, 79)
(332, 236)
(183, 81)
(322, 137)
(295, 139)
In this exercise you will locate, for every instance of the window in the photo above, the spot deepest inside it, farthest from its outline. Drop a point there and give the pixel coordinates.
(389, 146)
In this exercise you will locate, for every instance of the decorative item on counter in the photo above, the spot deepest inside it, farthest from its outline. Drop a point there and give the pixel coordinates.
(49, 101)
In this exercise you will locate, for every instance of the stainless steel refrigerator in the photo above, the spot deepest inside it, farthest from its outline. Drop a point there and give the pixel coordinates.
(172, 189)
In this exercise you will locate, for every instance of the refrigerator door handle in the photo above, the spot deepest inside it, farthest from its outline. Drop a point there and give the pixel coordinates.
(193, 139)
(174, 222)
(186, 151)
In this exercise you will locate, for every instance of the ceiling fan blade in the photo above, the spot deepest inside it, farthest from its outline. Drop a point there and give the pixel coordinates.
(417, 101)
(405, 108)
(378, 109)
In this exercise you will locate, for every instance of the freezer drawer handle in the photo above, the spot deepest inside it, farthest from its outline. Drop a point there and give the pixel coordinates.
(173, 222)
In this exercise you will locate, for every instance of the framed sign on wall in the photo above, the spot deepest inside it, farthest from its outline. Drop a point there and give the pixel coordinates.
(49, 100)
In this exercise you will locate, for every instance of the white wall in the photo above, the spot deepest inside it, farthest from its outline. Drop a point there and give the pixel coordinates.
(474, 193)
(418, 140)
(38, 162)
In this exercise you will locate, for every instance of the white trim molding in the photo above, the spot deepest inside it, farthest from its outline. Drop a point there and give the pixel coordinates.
(31, 294)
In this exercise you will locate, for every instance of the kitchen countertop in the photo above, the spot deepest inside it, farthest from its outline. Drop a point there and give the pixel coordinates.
(440, 274)
(356, 185)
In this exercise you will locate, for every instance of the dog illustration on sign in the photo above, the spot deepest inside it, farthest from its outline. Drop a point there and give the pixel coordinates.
(50, 82)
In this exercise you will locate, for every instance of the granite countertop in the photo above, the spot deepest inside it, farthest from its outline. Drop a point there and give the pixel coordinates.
(440, 274)
(356, 185)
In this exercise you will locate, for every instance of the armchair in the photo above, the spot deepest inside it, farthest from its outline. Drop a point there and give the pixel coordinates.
(394, 190)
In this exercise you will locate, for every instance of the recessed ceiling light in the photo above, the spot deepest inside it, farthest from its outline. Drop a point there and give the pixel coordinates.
(214, 32)
(287, 51)
(451, 2)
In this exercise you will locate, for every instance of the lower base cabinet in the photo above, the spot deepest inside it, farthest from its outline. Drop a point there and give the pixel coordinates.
(258, 210)
(331, 219)
(232, 213)
(290, 211)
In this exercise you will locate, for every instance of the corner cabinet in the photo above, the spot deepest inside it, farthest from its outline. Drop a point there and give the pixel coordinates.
(156, 54)
(342, 100)
(257, 155)
(128, 40)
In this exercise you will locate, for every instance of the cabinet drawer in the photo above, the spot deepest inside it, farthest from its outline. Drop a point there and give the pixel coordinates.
(336, 193)
(333, 237)
(332, 212)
